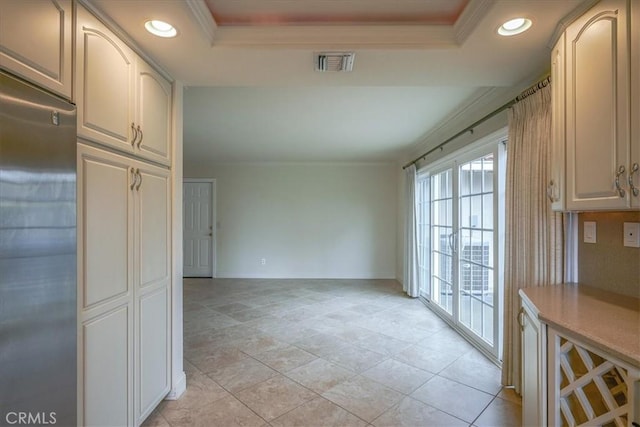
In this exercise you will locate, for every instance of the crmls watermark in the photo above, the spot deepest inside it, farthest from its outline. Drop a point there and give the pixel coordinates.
(30, 418)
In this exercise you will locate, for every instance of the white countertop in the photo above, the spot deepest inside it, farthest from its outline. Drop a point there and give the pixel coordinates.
(607, 321)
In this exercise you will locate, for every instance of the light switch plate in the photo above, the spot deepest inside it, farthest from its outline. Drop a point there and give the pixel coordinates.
(632, 234)
(589, 232)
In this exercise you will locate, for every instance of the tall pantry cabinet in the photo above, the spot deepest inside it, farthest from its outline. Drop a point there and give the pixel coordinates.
(124, 222)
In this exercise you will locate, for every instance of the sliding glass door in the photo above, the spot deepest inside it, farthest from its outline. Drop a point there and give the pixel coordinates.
(461, 202)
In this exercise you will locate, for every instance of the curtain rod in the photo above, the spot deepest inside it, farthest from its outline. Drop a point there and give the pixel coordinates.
(528, 92)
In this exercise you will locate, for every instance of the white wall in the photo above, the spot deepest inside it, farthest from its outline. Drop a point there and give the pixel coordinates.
(308, 220)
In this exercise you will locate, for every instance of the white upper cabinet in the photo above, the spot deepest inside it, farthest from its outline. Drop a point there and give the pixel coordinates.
(597, 108)
(35, 42)
(556, 184)
(122, 102)
(634, 173)
(105, 70)
(153, 114)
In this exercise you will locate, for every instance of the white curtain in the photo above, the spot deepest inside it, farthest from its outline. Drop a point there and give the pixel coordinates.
(534, 234)
(411, 286)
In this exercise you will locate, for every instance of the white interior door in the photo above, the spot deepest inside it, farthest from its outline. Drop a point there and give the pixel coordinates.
(198, 230)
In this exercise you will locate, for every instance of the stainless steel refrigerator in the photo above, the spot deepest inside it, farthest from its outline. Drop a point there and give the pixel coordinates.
(37, 256)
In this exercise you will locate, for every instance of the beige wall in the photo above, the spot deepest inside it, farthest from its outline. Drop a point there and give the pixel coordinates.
(308, 220)
(607, 264)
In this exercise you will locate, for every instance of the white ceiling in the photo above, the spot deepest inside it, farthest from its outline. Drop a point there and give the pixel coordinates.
(252, 94)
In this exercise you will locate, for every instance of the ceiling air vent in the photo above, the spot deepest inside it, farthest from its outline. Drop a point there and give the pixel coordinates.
(334, 61)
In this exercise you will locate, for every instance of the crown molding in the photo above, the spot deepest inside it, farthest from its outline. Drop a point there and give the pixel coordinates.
(200, 12)
(340, 36)
(351, 36)
(482, 102)
(479, 103)
(470, 18)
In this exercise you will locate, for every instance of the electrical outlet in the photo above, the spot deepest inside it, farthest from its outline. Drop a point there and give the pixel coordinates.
(632, 234)
(589, 232)
(263, 261)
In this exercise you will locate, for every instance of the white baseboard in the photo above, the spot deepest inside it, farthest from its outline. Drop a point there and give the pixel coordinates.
(179, 387)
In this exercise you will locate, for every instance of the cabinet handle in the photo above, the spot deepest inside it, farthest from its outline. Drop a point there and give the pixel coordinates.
(621, 191)
(135, 134)
(550, 191)
(139, 180)
(134, 179)
(521, 318)
(634, 190)
(141, 136)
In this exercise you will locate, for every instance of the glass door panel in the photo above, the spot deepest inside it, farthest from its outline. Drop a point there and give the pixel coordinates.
(476, 247)
(442, 235)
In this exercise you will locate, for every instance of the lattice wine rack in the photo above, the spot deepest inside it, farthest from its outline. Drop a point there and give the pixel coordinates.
(588, 388)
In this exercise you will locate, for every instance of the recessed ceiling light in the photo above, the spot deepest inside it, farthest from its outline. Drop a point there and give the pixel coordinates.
(514, 26)
(160, 28)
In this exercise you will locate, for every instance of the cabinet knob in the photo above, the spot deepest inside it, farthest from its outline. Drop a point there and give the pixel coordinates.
(620, 172)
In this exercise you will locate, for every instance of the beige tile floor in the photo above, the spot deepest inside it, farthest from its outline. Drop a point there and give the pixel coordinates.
(317, 353)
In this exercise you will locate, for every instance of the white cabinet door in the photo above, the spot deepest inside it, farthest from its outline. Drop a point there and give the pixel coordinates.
(106, 206)
(598, 108)
(35, 42)
(152, 279)
(556, 185)
(153, 114)
(533, 372)
(634, 179)
(105, 287)
(152, 364)
(107, 369)
(152, 219)
(105, 94)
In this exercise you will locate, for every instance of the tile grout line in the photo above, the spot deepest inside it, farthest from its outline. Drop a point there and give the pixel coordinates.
(342, 297)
